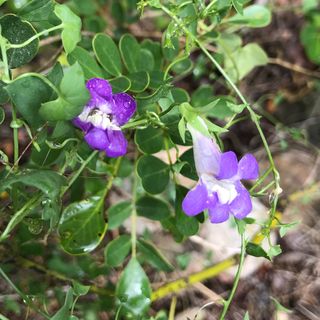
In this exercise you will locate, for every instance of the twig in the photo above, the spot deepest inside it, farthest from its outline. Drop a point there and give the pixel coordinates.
(294, 67)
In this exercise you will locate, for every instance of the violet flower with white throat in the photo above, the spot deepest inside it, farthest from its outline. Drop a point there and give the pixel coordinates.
(219, 189)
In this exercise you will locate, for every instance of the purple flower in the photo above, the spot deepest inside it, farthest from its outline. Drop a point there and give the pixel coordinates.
(219, 188)
(103, 116)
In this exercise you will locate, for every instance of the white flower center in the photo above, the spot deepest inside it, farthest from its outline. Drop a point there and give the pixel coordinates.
(225, 189)
(98, 119)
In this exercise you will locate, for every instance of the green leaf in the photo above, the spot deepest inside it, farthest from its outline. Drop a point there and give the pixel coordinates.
(82, 225)
(153, 256)
(79, 289)
(64, 312)
(71, 33)
(107, 54)
(274, 251)
(154, 174)
(120, 84)
(155, 49)
(49, 182)
(2, 2)
(130, 52)
(3, 93)
(284, 228)
(186, 225)
(246, 316)
(73, 96)
(89, 65)
(2, 115)
(133, 289)
(146, 61)
(245, 59)
(17, 31)
(149, 140)
(254, 16)
(117, 250)
(153, 208)
(180, 95)
(27, 94)
(238, 5)
(279, 306)
(37, 10)
(310, 38)
(119, 213)
(256, 250)
(139, 81)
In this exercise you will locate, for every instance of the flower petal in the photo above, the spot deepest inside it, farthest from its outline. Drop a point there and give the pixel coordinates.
(118, 144)
(195, 200)
(219, 213)
(123, 108)
(228, 165)
(241, 206)
(248, 167)
(206, 153)
(84, 126)
(99, 87)
(97, 139)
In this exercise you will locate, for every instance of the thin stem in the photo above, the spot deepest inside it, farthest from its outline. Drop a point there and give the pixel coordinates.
(40, 76)
(135, 124)
(77, 174)
(36, 36)
(236, 280)
(261, 179)
(15, 137)
(134, 216)
(18, 216)
(24, 297)
(173, 308)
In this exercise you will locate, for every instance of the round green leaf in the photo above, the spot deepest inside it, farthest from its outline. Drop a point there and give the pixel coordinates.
(107, 54)
(17, 31)
(89, 65)
(117, 250)
(120, 84)
(153, 208)
(310, 38)
(149, 140)
(28, 94)
(254, 16)
(139, 81)
(146, 62)
(130, 52)
(133, 289)
(82, 226)
(154, 174)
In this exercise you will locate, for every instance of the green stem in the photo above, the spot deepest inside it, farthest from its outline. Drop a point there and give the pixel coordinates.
(18, 217)
(135, 124)
(2, 317)
(236, 280)
(77, 174)
(134, 216)
(15, 138)
(36, 36)
(40, 76)
(24, 297)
